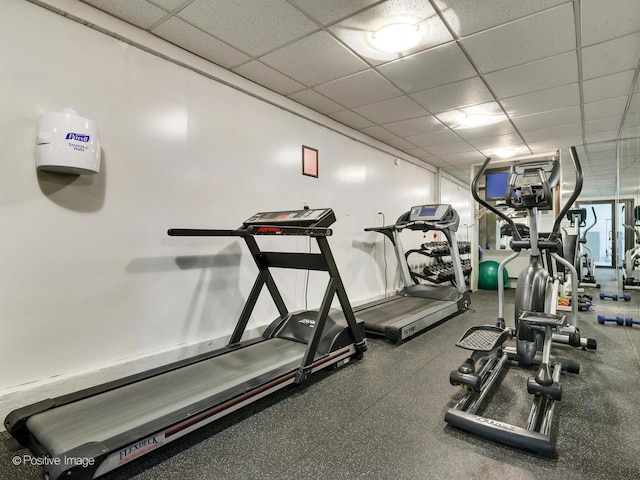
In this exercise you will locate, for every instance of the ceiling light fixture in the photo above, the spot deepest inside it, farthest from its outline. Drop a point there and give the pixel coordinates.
(470, 120)
(398, 37)
(506, 152)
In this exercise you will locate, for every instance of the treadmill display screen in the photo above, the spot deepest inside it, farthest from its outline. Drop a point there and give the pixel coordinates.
(427, 211)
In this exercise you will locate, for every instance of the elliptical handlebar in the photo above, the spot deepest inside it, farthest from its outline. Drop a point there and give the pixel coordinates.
(474, 192)
(577, 168)
(518, 201)
(595, 220)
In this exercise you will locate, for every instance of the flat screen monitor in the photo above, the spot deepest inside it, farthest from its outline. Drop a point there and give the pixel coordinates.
(496, 185)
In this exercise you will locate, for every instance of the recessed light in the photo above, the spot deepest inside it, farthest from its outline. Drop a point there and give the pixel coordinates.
(470, 120)
(506, 152)
(398, 37)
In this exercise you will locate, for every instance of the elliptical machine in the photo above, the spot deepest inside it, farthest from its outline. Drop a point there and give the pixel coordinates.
(537, 325)
(587, 265)
(631, 271)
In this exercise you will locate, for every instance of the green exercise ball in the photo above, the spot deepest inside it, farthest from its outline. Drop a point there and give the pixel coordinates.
(488, 275)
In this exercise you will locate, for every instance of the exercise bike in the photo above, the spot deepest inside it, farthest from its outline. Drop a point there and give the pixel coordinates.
(536, 322)
(631, 270)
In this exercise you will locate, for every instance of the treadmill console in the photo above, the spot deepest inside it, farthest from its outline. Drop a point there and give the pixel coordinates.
(322, 217)
(429, 213)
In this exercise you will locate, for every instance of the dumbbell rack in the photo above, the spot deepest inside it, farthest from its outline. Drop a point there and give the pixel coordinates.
(440, 271)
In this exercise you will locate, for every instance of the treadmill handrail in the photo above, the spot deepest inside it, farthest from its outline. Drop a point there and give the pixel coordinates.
(206, 232)
(432, 225)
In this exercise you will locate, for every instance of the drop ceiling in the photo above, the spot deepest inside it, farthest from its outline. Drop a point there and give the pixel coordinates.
(555, 73)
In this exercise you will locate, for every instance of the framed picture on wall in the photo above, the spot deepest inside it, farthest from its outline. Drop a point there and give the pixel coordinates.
(309, 161)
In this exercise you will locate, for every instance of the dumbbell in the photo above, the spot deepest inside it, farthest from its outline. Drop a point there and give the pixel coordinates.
(615, 297)
(630, 322)
(602, 319)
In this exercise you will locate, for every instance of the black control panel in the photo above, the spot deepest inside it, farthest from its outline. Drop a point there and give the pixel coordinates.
(429, 213)
(321, 217)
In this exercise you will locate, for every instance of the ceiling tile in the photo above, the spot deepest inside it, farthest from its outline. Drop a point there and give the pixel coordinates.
(250, 26)
(608, 86)
(419, 153)
(328, 11)
(534, 76)
(634, 105)
(494, 143)
(553, 144)
(141, 13)
(268, 77)
(435, 67)
(631, 127)
(359, 89)
(392, 110)
(433, 138)
(601, 136)
(552, 133)
(462, 158)
(461, 173)
(605, 108)
(601, 147)
(415, 126)
(314, 60)
(602, 124)
(610, 57)
(316, 101)
(450, 148)
(436, 162)
(543, 100)
(602, 21)
(533, 38)
(351, 119)
(379, 133)
(561, 116)
(401, 144)
(169, 4)
(471, 91)
(196, 41)
(357, 31)
(467, 17)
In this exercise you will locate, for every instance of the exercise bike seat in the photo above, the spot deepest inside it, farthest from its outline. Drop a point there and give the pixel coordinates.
(483, 338)
(542, 319)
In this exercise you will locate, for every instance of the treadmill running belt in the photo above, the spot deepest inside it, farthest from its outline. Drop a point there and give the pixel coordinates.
(378, 317)
(108, 414)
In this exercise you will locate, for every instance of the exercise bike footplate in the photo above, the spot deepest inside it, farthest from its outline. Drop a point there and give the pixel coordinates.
(484, 338)
(542, 319)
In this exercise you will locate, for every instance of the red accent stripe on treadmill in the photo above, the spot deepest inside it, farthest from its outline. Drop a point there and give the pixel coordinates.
(235, 401)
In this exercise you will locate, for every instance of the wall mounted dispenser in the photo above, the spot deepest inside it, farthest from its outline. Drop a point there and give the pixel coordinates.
(67, 143)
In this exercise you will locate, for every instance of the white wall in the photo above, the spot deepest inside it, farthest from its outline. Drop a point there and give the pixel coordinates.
(458, 195)
(90, 278)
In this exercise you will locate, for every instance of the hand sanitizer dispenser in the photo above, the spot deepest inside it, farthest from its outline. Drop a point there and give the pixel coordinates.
(67, 143)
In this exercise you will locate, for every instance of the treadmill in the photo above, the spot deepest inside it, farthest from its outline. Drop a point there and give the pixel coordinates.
(417, 306)
(85, 434)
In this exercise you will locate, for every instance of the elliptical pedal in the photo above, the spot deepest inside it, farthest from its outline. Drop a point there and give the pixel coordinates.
(483, 338)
